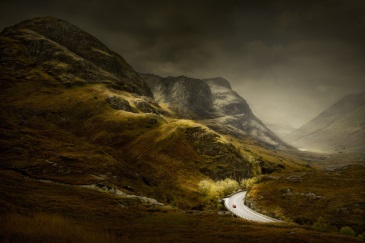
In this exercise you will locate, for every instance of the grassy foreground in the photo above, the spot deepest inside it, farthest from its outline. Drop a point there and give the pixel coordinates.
(324, 199)
(41, 211)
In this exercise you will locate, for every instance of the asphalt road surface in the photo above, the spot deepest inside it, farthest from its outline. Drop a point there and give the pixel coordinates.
(243, 211)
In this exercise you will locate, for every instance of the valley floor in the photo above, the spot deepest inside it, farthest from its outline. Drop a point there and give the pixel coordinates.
(40, 211)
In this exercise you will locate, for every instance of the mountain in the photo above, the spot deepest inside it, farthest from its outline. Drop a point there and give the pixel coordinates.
(75, 113)
(340, 128)
(61, 53)
(213, 103)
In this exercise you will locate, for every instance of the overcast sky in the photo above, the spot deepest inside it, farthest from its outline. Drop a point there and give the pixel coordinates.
(289, 59)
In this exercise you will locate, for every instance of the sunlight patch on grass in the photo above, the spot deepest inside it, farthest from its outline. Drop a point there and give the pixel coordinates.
(102, 52)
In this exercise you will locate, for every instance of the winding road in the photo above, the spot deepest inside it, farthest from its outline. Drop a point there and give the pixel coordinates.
(243, 211)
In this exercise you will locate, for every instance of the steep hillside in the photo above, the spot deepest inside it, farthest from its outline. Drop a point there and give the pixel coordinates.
(57, 52)
(234, 116)
(212, 102)
(188, 97)
(340, 128)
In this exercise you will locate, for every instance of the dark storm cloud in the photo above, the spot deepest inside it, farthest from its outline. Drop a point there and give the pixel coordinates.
(289, 59)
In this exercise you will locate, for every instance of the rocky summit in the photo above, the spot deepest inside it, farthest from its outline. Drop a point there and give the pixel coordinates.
(58, 52)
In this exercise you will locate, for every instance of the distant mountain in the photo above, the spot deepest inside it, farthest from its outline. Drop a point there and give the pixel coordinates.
(340, 128)
(211, 102)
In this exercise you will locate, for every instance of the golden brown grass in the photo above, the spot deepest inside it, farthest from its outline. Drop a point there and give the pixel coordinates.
(72, 135)
(37, 211)
(43, 227)
(337, 197)
(170, 227)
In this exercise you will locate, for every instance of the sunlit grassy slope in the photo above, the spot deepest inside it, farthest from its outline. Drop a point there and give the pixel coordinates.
(74, 135)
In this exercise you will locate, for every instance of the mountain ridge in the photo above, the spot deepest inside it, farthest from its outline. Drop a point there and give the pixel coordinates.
(218, 107)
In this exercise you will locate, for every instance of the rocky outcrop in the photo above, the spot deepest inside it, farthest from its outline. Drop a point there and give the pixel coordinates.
(187, 97)
(227, 160)
(225, 100)
(145, 106)
(119, 103)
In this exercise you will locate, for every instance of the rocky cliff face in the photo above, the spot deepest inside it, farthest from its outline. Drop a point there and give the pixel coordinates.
(340, 128)
(226, 101)
(188, 97)
(65, 54)
(211, 102)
